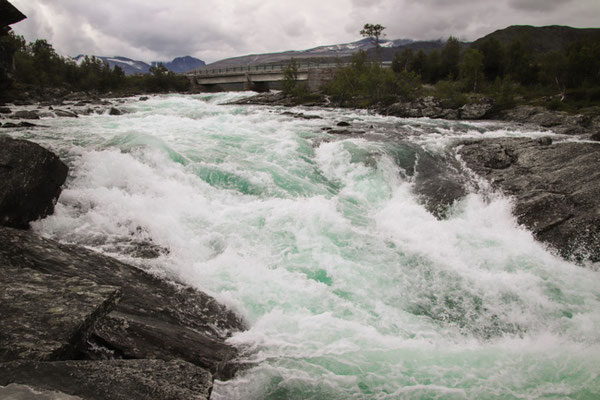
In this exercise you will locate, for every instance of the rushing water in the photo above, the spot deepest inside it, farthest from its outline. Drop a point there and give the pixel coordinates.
(351, 289)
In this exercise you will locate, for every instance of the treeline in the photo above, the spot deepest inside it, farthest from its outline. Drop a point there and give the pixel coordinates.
(38, 66)
(508, 74)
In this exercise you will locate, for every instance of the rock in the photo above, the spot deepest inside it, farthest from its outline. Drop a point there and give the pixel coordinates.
(47, 317)
(343, 123)
(113, 379)
(25, 115)
(595, 137)
(477, 110)
(115, 111)
(556, 188)
(143, 98)
(548, 119)
(5, 110)
(438, 181)
(65, 113)
(545, 141)
(31, 179)
(154, 319)
(22, 124)
(82, 103)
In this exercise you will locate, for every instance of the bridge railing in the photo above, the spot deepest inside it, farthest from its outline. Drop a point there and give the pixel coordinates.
(270, 68)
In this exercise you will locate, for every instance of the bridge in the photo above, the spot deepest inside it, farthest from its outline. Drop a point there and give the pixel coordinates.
(260, 77)
(263, 77)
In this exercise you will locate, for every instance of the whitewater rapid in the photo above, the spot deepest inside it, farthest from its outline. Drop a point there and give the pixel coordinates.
(351, 289)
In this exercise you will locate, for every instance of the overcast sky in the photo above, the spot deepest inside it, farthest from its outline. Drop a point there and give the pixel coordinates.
(211, 30)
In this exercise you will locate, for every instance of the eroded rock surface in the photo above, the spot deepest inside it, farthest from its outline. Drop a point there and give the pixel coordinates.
(48, 317)
(113, 379)
(154, 319)
(556, 187)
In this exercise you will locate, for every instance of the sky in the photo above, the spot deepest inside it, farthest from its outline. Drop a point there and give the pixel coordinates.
(151, 30)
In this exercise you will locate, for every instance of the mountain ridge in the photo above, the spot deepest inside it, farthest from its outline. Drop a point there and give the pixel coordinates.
(132, 67)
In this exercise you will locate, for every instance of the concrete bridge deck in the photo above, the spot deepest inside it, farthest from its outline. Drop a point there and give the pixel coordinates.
(263, 77)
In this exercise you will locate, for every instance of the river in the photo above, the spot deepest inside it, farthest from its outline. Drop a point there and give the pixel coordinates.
(350, 287)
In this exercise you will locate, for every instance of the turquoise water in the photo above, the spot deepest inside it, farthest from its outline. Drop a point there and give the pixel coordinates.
(351, 289)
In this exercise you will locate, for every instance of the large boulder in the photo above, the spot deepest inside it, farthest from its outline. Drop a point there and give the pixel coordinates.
(154, 319)
(31, 179)
(108, 379)
(48, 317)
(556, 187)
(476, 110)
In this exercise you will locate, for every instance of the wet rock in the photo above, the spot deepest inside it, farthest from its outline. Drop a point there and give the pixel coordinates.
(47, 317)
(343, 123)
(476, 110)
(82, 103)
(65, 113)
(143, 98)
(438, 181)
(113, 379)
(22, 124)
(556, 188)
(25, 115)
(595, 137)
(5, 110)
(115, 111)
(31, 179)
(154, 319)
(548, 119)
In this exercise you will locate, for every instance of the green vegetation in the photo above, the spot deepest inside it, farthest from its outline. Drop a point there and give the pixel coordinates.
(510, 73)
(298, 91)
(37, 67)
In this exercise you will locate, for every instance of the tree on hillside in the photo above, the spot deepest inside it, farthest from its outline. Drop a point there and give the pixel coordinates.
(471, 68)
(451, 58)
(373, 31)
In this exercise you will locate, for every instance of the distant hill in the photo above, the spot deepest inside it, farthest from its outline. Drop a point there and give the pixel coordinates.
(321, 54)
(132, 67)
(542, 39)
(182, 64)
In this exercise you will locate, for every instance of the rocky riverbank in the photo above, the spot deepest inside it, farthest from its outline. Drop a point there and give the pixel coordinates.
(585, 125)
(80, 323)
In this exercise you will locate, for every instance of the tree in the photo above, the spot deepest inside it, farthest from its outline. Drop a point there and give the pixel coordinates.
(290, 77)
(493, 58)
(451, 58)
(374, 31)
(471, 69)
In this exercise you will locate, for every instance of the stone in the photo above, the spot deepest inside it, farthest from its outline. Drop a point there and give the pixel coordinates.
(25, 115)
(556, 188)
(115, 111)
(343, 123)
(476, 110)
(143, 98)
(65, 113)
(31, 179)
(154, 319)
(113, 379)
(595, 137)
(5, 110)
(47, 317)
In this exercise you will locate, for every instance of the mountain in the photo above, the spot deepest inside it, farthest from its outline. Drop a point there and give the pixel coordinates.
(132, 67)
(182, 64)
(320, 54)
(543, 38)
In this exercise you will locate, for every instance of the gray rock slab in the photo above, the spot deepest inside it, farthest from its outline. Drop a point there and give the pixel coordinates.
(47, 317)
(154, 319)
(113, 379)
(556, 187)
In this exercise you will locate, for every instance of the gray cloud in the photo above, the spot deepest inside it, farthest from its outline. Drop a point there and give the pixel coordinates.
(216, 29)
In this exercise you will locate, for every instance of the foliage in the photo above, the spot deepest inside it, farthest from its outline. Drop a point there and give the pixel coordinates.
(471, 69)
(364, 83)
(373, 31)
(450, 94)
(38, 66)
